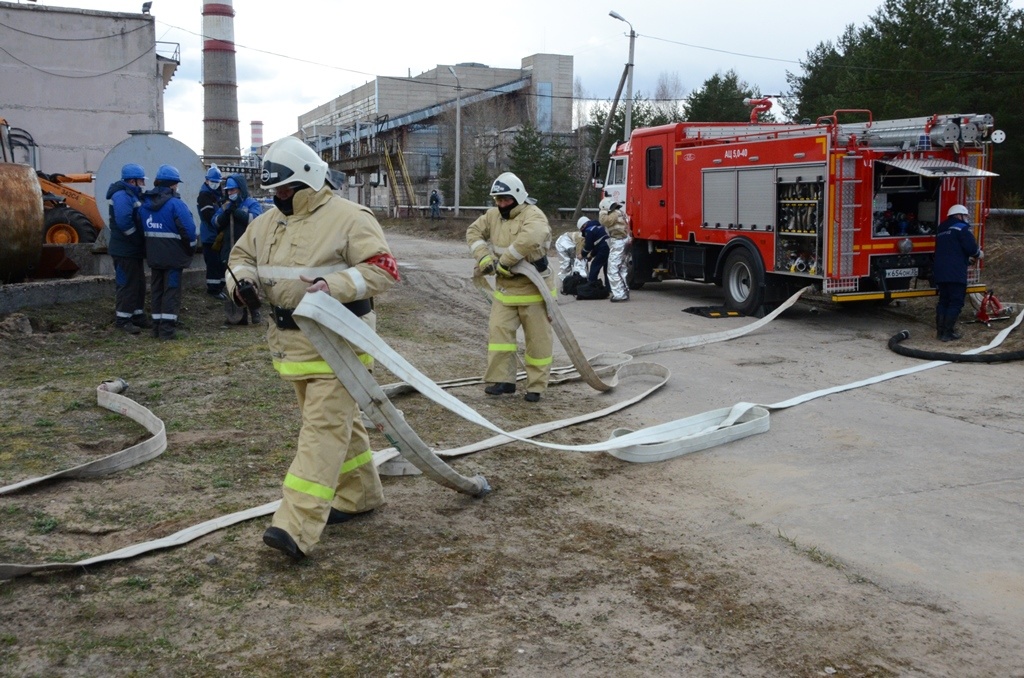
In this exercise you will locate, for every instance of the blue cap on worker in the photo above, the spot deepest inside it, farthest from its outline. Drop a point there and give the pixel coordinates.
(168, 173)
(231, 184)
(213, 174)
(132, 171)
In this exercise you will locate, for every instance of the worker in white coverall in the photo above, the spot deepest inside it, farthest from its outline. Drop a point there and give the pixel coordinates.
(314, 242)
(568, 246)
(512, 231)
(615, 222)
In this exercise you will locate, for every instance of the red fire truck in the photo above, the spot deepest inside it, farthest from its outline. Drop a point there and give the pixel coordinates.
(764, 209)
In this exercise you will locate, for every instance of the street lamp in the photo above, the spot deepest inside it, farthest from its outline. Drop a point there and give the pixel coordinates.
(629, 81)
(458, 136)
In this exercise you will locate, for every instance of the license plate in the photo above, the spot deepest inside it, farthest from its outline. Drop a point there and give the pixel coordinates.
(901, 273)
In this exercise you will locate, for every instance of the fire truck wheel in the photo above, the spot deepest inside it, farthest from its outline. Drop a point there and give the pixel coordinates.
(638, 269)
(743, 283)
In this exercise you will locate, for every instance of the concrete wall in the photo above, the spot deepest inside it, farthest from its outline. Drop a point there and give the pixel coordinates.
(78, 81)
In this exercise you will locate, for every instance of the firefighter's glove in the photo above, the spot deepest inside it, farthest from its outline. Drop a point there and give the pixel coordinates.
(486, 265)
(980, 255)
(503, 272)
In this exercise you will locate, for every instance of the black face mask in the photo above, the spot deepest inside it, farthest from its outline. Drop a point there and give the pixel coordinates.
(505, 211)
(284, 205)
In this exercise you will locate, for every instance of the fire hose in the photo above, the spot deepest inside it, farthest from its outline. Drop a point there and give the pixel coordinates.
(335, 331)
(896, 346)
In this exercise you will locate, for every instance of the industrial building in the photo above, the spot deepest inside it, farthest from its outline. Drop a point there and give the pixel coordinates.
(73, 100)
(78, 81)
(391, 135)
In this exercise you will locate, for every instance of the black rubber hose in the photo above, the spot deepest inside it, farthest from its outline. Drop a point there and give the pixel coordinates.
(903, 335)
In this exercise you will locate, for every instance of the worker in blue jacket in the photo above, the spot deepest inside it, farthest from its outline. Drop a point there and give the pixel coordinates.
(595, 247)
(232, 217)
(209, 198)
(127, 247)
(955, 250)
(170, 242)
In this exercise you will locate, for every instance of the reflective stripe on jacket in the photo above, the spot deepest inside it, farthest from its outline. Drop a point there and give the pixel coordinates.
(326, 237)
(526, 234)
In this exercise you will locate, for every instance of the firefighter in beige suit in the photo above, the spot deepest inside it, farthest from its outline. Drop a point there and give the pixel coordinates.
(314, 242)
(512, 231)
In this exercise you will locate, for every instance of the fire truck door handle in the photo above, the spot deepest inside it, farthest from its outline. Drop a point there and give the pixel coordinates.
(661, 203)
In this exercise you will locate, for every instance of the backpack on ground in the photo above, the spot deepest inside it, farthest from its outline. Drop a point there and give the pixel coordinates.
(592, 290)
(572, 283)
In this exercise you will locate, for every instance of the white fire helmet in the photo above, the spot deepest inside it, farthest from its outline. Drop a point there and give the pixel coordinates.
(288, 161)
(957, 209)
(581, 222)
(510, 185)
(607, 204)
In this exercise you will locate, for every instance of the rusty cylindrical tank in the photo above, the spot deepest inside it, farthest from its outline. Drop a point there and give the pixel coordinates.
(21, 222)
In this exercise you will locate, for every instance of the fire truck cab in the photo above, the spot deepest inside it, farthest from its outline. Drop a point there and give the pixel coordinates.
(764, 209)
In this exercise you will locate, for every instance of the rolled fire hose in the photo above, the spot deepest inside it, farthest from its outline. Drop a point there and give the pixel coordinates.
(896, 346)
(702, 431)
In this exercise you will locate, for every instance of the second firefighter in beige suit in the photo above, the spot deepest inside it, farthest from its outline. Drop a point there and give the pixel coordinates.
(514, 230)
(314, 242)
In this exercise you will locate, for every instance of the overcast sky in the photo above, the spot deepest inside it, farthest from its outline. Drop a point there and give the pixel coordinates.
(293, 56)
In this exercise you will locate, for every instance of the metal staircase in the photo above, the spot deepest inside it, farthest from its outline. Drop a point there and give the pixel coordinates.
(402, 192)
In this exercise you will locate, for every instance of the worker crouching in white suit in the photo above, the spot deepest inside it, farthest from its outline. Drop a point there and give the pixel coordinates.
(616, 223)
(513, 231)
(568, 246)
(313, 242)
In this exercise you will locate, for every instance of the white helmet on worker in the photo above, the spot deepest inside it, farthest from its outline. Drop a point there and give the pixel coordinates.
(290, 161)
(607, 204)
(510, 185)
(957, 209)
(581, 222)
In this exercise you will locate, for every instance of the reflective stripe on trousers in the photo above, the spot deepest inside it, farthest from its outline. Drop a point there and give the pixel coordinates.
(501, 363)
(333, 465)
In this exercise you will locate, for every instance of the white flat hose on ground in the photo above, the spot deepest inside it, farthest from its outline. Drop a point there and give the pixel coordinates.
(326, 321)
(108, 395)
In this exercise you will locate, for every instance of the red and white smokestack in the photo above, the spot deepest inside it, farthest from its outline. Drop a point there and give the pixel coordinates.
(257, 137)
(220, 82)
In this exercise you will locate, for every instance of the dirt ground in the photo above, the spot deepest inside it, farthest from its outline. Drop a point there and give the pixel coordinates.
(576, 565)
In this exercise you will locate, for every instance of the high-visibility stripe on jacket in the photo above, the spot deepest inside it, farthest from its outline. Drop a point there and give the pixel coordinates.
(326, 237)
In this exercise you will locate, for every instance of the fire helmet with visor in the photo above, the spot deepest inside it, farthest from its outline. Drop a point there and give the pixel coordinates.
(290, 161)
(510, 185)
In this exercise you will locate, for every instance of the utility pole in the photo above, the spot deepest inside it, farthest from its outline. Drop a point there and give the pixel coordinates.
(627, 132)
(458, 137)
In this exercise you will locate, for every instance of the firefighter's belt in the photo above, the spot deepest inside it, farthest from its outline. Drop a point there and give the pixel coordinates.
(284, 321)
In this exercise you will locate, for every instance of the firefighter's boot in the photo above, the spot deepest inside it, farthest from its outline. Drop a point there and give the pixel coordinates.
(500, 388)
(940, 325)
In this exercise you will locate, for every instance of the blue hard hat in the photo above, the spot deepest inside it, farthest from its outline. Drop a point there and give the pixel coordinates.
(213, 174)
(231, 183)
(168, 173)
(132, 171)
